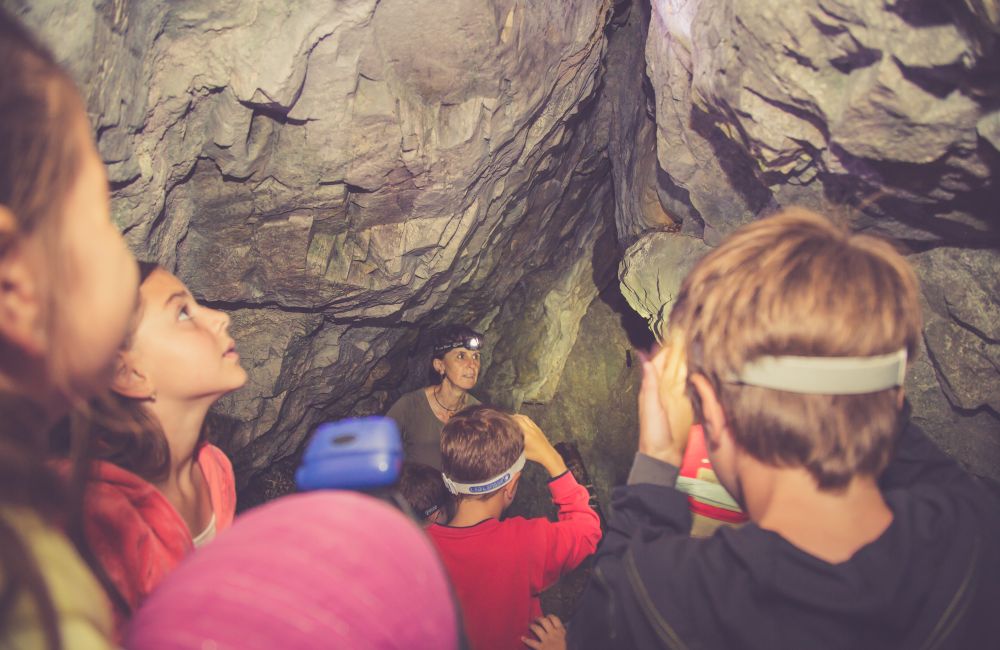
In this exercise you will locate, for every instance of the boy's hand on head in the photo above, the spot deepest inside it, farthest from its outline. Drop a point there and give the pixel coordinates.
(550, 632)
(665, 413)
(537, 447)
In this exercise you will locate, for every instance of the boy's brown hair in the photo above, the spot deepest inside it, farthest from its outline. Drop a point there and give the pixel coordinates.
(423, 488)
(478, 443)
(796, 284)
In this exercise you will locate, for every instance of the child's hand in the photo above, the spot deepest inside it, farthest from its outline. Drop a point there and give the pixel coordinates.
(665, 413)
(537, 447)
(550, 632)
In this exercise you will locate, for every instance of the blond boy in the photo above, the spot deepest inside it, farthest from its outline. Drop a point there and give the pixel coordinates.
(790, 342)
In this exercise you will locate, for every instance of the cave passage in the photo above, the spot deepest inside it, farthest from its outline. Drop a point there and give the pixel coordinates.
(343, 180)
(336, 182)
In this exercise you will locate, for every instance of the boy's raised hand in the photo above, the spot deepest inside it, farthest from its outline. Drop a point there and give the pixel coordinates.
(537, 447)
(550, 633)
(665, 413)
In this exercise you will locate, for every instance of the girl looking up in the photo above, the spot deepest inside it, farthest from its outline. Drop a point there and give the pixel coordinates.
(67, 293)
(160, 489)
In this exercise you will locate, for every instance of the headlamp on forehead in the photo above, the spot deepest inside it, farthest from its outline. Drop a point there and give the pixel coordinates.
(469, 342)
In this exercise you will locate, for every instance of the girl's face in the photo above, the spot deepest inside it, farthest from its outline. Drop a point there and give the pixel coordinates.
(460, 367)
(183, 349)
(97, 295)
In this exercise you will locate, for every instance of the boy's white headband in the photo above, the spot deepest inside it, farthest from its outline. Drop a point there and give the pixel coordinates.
(826, 375)
(489, 485)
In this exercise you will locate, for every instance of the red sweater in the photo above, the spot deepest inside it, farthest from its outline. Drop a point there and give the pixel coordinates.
(137, 535)
(499, 568)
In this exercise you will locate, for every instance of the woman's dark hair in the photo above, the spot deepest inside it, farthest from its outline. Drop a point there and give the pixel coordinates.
(40, 158)
(446, 337)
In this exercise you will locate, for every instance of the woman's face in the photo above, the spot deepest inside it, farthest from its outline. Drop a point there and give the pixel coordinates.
(97, 295)
(182, 348)
(460, 366)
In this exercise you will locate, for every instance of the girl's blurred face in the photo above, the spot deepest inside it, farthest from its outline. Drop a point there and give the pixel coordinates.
(97, 295)
(184, 348)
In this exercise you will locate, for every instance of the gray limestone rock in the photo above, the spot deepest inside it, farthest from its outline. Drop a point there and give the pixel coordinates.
(651, 273)
(962, 323)
(883, 111)
(342, 175)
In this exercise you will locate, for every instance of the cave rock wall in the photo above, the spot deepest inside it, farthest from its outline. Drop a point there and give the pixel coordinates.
(886, 111)
(342, 176)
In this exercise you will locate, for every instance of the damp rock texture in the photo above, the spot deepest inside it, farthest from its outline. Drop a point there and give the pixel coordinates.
(884, 111)
(342, 176)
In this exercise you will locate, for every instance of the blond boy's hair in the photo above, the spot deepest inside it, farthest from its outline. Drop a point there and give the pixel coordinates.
(796, 284)
(478, 443)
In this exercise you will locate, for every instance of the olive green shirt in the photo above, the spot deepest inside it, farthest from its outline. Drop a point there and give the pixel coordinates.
(419, 427)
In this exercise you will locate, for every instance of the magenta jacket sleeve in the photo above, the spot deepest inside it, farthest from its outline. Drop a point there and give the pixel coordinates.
(573, 538)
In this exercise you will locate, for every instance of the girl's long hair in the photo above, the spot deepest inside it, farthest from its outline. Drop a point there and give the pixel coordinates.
(40, 157)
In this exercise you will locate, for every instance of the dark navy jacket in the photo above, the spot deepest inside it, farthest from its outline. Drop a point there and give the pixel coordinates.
(932, 580)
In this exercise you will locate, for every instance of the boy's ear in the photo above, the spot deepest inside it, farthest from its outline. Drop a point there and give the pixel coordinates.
(510, 490)
(20, 303)
(129, 379)
(712, 414)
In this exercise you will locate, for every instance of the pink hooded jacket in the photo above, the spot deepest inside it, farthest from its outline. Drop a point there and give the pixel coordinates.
(137, 535)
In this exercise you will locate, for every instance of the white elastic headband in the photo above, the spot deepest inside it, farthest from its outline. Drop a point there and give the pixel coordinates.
(489, 485)
(826, 375)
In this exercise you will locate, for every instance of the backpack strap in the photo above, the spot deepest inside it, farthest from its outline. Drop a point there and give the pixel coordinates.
(959, 604)
(664, 631)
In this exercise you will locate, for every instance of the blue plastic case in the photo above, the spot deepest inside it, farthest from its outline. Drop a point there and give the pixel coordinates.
(353, 454)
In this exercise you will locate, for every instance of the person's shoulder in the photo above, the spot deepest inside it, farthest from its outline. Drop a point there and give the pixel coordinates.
(214, 460)
(110, 484)
(78, 599)
(724, 555)
(221, 479)
(526, 529)
(408, 400)
(946, 514)
(443, 534)
(123, 510)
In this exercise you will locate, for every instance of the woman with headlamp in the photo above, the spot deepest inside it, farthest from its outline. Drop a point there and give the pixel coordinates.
(421, 414)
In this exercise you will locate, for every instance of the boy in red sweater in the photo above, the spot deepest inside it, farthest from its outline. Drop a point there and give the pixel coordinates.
(499, 568)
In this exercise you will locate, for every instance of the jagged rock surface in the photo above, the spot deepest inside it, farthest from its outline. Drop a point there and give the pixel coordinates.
(886, 110)
(652, 270)
(341, 176)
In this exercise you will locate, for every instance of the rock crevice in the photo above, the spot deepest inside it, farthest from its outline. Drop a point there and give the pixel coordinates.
(343, 177)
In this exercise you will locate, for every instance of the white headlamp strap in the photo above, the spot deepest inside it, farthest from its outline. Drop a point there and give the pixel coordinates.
(490, 485)
(826, 375)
